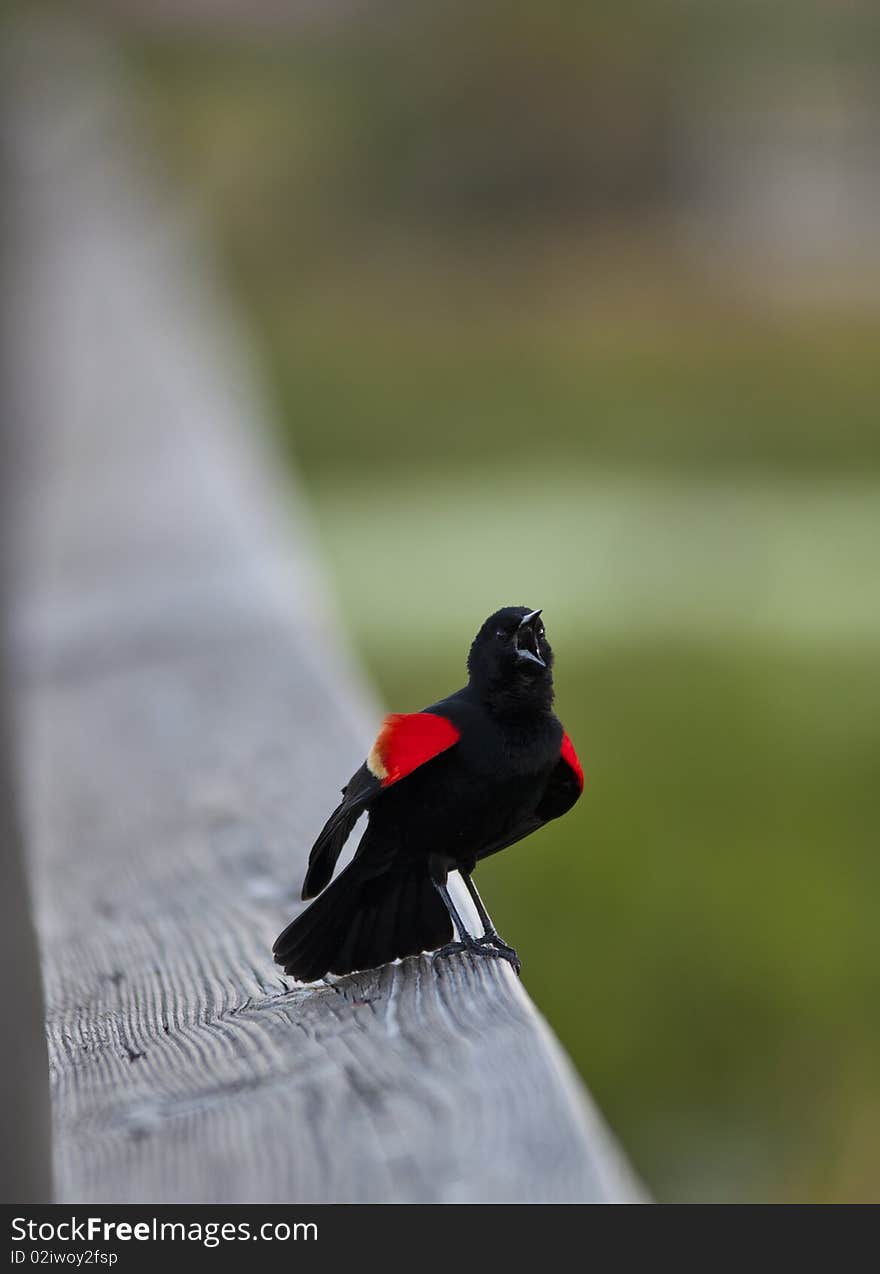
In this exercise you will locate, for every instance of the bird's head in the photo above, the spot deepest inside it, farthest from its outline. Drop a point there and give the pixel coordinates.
(510, 659)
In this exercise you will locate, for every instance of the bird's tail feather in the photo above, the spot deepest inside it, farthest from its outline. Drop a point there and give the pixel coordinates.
(361, 921)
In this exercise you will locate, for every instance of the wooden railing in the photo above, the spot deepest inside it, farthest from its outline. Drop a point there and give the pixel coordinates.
(184, 711)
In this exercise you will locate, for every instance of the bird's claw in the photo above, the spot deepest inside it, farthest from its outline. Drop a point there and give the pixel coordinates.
(504, 949)
(492, 940)
(485, 946)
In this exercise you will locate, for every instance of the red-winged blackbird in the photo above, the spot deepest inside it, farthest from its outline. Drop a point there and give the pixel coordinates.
(444, 788)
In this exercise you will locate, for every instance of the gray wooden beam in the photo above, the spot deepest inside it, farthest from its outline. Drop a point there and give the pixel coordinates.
(24, 1108)
(186, 710)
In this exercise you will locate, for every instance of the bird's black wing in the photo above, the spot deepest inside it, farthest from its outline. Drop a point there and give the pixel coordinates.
(326, 850)
(564, 786)
(405, 742)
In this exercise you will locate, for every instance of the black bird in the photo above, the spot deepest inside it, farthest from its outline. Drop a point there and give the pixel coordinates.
(444, 788)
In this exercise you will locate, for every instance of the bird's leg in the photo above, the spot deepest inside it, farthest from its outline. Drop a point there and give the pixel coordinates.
(467, 942)
(489, 930)
(467, 939)
(490, 933)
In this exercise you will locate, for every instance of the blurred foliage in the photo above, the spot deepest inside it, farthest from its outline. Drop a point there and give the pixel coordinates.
(457, 241)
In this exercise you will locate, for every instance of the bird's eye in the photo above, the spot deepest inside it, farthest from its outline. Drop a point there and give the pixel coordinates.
(501, 634)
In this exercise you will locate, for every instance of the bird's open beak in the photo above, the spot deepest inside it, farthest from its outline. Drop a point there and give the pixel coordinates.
(526, 641)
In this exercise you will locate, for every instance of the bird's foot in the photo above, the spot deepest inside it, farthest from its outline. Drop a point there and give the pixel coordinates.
(492, 939)
(504, 949)
(496, 949)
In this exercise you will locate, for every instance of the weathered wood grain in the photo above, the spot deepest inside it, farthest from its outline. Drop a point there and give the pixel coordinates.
(185, 713)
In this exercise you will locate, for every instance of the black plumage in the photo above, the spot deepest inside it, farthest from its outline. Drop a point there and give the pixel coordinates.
(445, 788)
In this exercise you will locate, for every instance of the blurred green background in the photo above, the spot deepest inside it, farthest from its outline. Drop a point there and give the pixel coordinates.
(576, 306)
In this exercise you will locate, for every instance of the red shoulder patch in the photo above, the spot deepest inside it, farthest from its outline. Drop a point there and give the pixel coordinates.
(570, 757)
(406, 741)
